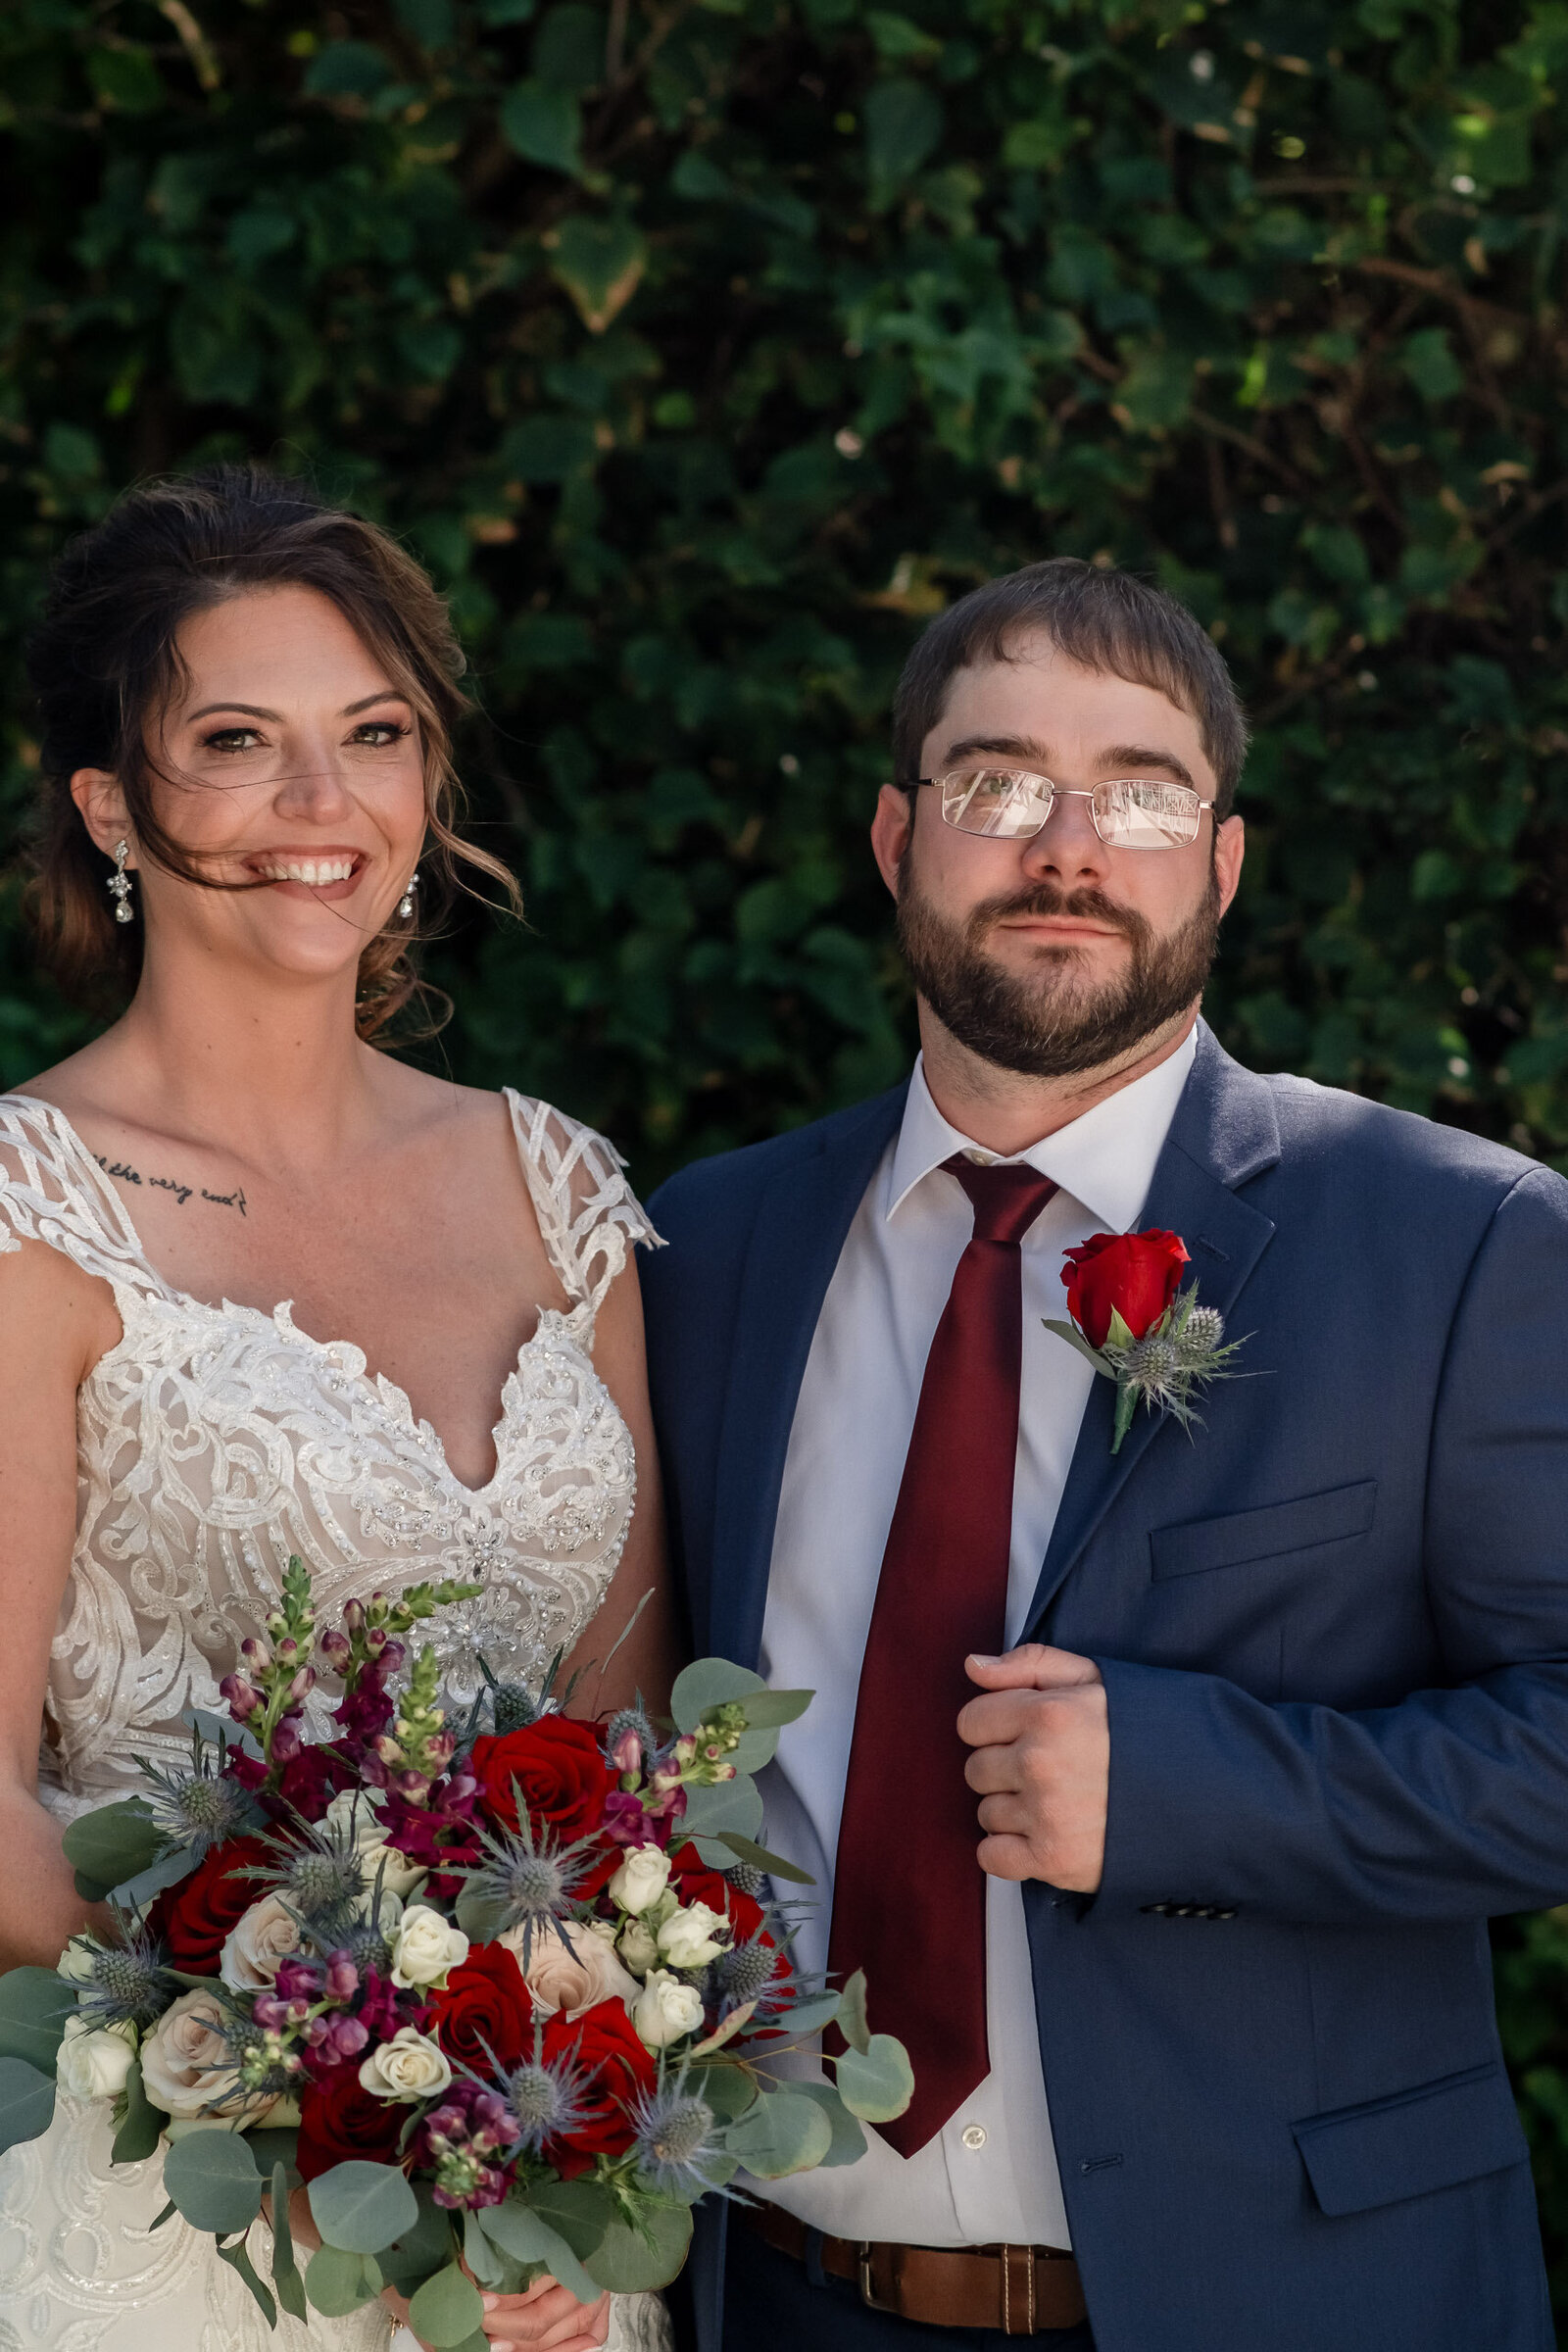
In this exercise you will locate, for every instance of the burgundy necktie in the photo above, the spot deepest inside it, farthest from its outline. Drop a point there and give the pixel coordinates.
(909, 1898)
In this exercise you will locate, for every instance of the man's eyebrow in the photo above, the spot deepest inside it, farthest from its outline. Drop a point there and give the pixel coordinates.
(1125, 758)
(1000, 747)
(1122, 758)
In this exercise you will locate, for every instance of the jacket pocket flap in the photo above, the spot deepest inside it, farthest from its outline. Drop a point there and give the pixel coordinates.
(1261, 1535)
(1432, 2137)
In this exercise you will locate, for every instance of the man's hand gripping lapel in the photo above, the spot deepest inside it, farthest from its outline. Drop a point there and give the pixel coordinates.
(1041, 1766)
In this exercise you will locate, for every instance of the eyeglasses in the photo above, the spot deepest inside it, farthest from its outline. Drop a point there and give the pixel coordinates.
(1008, 804)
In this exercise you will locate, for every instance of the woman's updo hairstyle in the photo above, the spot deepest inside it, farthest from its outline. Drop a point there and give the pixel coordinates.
(104, 663)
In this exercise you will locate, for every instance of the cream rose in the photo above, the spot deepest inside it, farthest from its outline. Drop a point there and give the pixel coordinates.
(352, 1816)
(570, 1975)
(93, 2061)
(638, 1946)
(425, 1947)
(690, 1939)
(188, 2068)
(641, 1879)
(76, 1961)
(257, 1944)
(666, 2011)
(411, 2066)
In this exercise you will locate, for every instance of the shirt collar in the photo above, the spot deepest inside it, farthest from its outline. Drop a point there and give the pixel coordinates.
(1105, 1159)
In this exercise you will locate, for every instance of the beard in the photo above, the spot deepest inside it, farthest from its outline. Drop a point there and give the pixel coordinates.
(1050, 1021)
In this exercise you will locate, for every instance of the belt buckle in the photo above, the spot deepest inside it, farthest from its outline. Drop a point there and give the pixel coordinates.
(868, 2285)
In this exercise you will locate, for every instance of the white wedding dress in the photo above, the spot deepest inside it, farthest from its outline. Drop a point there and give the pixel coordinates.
(212, 1442)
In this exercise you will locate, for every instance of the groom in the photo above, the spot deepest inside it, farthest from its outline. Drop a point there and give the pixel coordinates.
(1163, 1794)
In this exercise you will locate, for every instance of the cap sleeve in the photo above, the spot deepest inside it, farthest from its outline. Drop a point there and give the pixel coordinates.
(589, 1216)
(52, 1190)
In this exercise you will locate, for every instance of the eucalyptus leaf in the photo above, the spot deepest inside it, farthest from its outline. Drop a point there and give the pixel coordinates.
(639, 2262)
(237, 2257)
(733, 1805)
(523, 2234)
(337, 2283)
(809, 2017)
(274, 2144)
(142, 2129)
(481, 2254)
(114, 1843)
(580, 2210)
(848, 2138)
(852, 2012)
(362, 2207)
(34, 2004)
(286, 2277)
(746, 1849)
(26, 2102)
(417, 2253)
(446, 2309)
(728, 2089)
(783, 2132)
(709, 1683)
(878, 2083)
(769, 1710)
(213, 2178)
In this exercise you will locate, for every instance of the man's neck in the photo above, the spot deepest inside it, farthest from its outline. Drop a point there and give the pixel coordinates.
(1007, 1111)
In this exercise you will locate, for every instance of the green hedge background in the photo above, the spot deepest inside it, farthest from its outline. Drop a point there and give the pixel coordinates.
(703, 348)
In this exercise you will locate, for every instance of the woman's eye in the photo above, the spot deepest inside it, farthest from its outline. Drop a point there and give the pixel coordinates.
(379, 733)
(232, 739)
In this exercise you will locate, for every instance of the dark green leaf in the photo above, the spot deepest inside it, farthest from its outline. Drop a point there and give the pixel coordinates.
(139, 2136)
(362, 2207)
(213, 2178)
(34, 2004)
(26, 2102)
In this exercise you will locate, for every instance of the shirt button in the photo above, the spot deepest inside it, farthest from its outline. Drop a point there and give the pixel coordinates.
(975, 2135)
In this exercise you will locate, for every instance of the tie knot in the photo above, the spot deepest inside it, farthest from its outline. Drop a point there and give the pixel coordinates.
(1006, 1200)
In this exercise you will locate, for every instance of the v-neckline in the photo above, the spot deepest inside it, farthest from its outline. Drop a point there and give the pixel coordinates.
(377, 1384)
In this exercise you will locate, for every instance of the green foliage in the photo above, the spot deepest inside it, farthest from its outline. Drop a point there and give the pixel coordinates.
(703, 348)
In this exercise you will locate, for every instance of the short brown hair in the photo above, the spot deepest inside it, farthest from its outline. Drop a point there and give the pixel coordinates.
(104, 658)
(1105, 620)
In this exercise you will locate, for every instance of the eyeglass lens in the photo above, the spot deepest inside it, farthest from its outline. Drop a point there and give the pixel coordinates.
(1133, 812)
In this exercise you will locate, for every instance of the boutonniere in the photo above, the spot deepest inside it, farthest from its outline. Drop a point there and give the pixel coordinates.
(1139, 1328)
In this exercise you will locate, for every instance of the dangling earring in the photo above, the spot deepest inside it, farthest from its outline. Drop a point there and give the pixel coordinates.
(118, 885)
(406, 903)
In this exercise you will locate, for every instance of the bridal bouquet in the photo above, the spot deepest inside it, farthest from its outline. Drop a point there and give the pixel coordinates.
(507, 2000)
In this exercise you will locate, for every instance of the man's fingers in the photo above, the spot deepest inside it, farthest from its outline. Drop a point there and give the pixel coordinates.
(1008, 1814)
(992, 1769)
(1033, 1666)
(1006, 1858)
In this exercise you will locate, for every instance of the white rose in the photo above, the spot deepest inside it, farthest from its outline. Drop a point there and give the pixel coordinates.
(641, 1879)
(188, 2068)
(257, 1944)
(94, 2060)
(425, 1947)
(76, 1961)
(638, 1946)
(688, 1938)
(571, 1969)
(666, 2011)
(354, 1817)
(411, 2066)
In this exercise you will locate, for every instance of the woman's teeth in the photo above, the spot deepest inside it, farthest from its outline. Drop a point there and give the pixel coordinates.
(316, 870)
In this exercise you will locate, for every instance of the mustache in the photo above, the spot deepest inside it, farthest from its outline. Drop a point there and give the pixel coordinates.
(1042, 903)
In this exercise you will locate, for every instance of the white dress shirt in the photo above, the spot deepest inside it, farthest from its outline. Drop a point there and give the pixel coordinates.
(991, 2174)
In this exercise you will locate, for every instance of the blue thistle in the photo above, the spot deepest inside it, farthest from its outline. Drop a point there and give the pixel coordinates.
(676, 2151)
(546, 2099)
(521, 1884)
(127, 1983)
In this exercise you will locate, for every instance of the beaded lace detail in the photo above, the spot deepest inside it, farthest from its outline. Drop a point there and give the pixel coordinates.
(214, 1440)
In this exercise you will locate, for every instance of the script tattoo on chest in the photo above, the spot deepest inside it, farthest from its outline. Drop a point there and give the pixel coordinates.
(182, 1193)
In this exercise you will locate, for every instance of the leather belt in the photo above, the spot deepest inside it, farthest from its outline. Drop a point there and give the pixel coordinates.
(1019, 2290)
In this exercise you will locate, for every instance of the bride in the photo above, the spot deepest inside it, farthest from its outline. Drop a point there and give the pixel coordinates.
(265, 1288)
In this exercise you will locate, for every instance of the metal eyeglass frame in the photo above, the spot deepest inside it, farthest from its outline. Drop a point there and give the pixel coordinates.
(1068, 791)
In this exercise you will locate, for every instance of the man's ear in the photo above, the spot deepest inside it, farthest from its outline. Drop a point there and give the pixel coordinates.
(892, 829)
(97, 794)
(1230, 847)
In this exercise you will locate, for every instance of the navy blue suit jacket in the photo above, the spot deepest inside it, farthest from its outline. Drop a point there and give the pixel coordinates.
(1333, 1627)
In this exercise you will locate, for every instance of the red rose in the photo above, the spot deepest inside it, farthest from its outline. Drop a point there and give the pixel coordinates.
(193, 1918)
(615, 2066)
(557, 1764)
(486, 2011)
(1137, 1273)
(340, 2121)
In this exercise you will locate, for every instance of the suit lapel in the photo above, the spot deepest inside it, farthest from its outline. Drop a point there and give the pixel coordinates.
(801, 1219)
(1224, 1131)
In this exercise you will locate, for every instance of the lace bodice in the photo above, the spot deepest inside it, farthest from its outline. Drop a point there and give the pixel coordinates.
(214, 1440)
